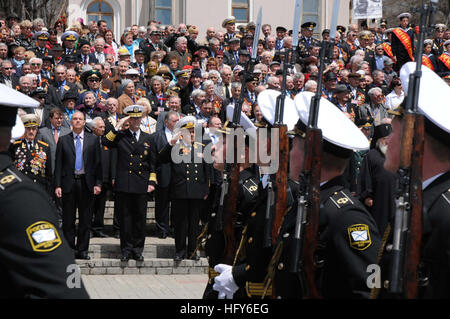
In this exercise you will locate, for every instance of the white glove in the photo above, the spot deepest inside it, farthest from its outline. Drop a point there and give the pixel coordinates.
(224, 283)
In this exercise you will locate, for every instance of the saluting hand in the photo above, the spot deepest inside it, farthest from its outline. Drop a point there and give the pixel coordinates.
(121, 123)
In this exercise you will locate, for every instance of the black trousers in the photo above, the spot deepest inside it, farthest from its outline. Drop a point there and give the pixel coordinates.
(82, 198)
(186, 215)
(98, 209)
(162, 202)
(133, 215)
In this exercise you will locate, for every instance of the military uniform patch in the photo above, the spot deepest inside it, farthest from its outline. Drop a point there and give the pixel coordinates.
(43, 237)
(359, 236)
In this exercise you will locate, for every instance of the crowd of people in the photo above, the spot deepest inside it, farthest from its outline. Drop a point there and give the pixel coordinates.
(110, 113)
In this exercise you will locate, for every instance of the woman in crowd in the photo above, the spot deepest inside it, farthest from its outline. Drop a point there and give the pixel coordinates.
(395, 98)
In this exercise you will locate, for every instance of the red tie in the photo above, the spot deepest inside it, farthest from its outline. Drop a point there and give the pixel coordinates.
(55, 134)
(85, 59)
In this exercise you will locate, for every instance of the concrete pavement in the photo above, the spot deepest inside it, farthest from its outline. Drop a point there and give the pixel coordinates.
(145, 286)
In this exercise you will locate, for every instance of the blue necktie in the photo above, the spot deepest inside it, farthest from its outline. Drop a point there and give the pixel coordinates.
(78, 154)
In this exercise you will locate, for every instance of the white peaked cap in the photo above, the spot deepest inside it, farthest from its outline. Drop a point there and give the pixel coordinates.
(267, 101)
(434, 95)
(336, 127)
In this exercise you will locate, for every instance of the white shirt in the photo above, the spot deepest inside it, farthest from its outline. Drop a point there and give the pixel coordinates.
(393, 100)
(100, 57)
(427, 183)
(138, 133)
(169, 134)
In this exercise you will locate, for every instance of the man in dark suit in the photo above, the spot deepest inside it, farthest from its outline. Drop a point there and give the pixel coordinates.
(109, 162)
(135, 178)
(162, 197)
(231, 56)
(59, 87)
(189, 186)
(78, 177)
(85, 56)
(51, 134)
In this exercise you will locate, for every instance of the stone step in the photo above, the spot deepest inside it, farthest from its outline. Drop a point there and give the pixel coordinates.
(110, 248)
(150, 266)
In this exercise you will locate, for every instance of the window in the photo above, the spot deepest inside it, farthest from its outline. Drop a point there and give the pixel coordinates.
(101, 10)
(311, 12)
(240, 9)
(163, 11)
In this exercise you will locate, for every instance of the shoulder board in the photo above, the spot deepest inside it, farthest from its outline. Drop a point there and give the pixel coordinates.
(251, 186)
(8, 178)
(43, 143)
(17, 142)
(82, 91)
(341, 200)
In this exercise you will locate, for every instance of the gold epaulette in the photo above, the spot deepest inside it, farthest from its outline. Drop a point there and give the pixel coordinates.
(111, 136)
(17, 142)
(43, 143)
(152, 177)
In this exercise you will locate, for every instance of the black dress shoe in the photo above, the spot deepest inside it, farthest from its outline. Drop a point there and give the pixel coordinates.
(100, 234)
(125, 258)
(178, 257)
(139, 258)
(195, 257)
(162, 235)
(83, 255)
(116, 234)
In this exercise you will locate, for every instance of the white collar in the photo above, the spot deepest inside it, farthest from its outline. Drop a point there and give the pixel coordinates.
(427, 183)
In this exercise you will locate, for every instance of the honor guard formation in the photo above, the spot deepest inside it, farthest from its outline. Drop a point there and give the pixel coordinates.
(296, 161)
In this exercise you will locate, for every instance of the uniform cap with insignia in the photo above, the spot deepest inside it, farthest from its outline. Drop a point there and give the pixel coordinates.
(70, 36)
(182, 73)
(440, 27)
(281, 29)
(267, 101)
(30, 120)
(326, 31)
(90, 74)
(341, 29)
(404, 15)
(41, 35)
(134, 111)
(12, 100)
(340, 135)
(139, 51)
(383, 22)
(433, 101)
(251, 26)
(365, 34)
(132, 72)
(70, 59)
(38, 92)
(309, 25)
(228, 20)
(185, 123)
(234, 39)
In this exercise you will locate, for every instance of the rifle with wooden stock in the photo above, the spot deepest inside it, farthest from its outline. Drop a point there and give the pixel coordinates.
(308, 209)
(407, 231)
(229, 192)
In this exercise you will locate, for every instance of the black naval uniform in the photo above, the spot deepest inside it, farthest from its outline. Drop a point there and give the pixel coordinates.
(215, 238)
(399, 49)
(348, 242)
(434, 268)
(34, 255)
(135, 172)
(190, 181)
(251, 270)
(35, 163)
(379, 184)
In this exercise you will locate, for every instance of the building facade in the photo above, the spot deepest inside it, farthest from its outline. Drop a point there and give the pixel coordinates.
(204, 13)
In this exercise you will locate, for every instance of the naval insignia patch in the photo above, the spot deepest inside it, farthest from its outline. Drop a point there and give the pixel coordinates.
(359, 236)
(43, 237)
